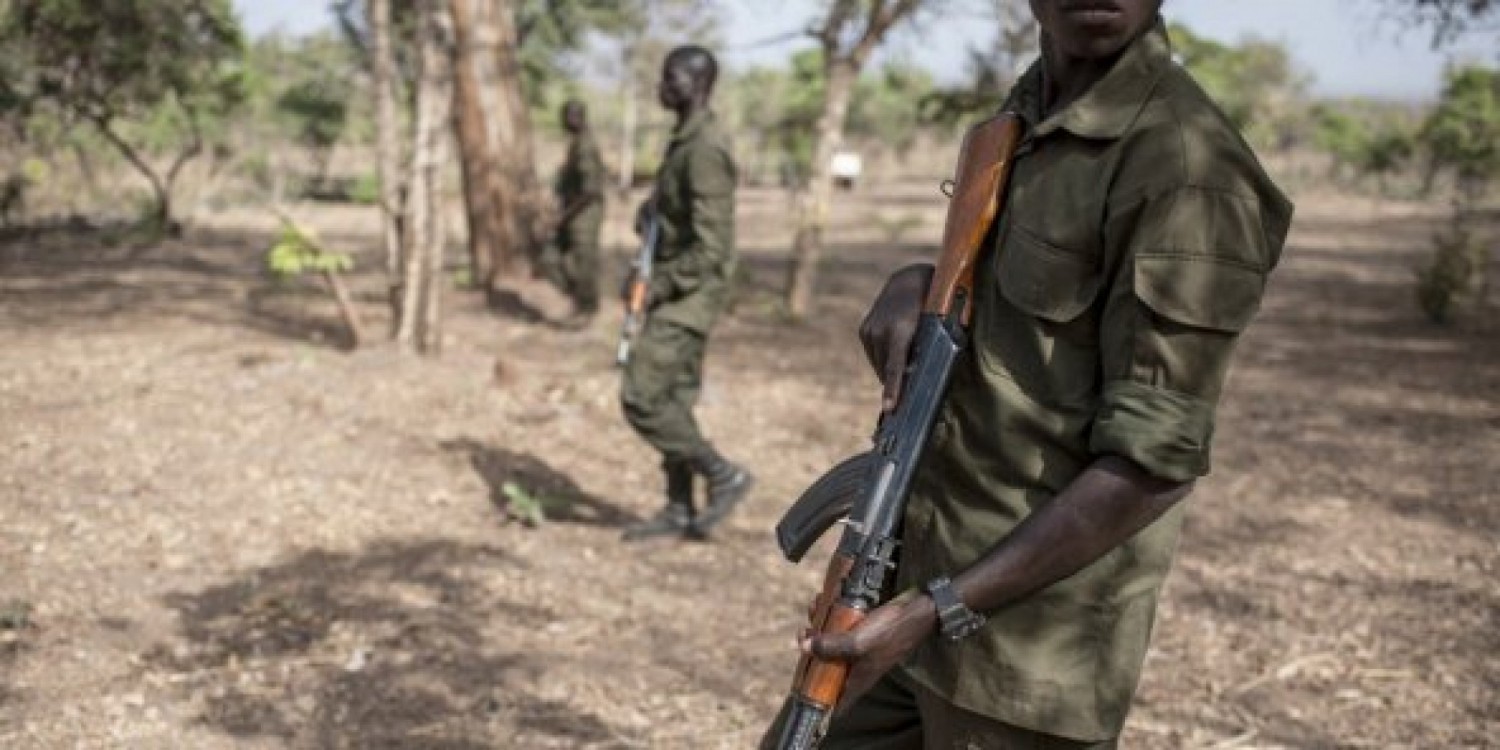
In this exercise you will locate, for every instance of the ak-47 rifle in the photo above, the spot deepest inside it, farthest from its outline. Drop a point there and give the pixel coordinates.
(638, 293)
(870, 491)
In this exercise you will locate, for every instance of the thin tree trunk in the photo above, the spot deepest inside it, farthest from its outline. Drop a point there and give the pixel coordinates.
(807, 246)
(387, 147)
(628, 122)
(431, 340)
(161, 194)
(424, 224)
(347, 311)
(476, 158)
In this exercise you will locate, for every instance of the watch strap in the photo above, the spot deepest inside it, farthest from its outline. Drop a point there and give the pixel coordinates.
(956, 621)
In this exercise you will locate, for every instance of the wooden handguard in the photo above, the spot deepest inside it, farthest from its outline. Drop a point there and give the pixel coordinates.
(978, 184)
(637, 302)
(815, 679)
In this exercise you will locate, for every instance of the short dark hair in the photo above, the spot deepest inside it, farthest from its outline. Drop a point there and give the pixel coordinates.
(698, 61)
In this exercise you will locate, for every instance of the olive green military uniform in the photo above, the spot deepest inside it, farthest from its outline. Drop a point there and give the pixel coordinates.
(1134, 250)
(690, 287)
(575, 268)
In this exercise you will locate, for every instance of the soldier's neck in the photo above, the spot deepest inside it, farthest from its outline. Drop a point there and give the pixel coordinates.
(690, 109)
(1066, 78)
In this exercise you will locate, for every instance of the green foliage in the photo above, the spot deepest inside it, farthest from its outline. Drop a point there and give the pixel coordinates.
(1455, 275)
(521, 505)
(547, 31)
(146, 74)
(1253, 82)
(124, 58)
(318, 110)
(1448, 19)
(305, 90)
(1370, 139)
(296, 252)
(1463, 131)
(15, 614)
(366, 189)
(882, 109)
(992, 70)
(782, 106)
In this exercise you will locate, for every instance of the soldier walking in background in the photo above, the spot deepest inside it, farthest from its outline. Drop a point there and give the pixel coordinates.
(690, 286)
(574, 268)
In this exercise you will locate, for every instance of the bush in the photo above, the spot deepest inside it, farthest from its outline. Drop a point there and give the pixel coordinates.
(1455, 276)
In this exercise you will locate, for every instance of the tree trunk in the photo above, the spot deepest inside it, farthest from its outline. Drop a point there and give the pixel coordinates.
(807, 246)
(161, 191)
(423, 230)
(482, 188)
(431, 340)
(347, 311)
(510, 132)
(628, 122)
(387, 147)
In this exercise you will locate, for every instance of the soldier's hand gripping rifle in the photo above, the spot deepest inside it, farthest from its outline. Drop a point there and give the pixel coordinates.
(869, 491)
(638, 291)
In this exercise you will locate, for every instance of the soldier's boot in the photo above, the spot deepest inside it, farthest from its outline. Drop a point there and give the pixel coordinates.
(677, 517)
(728, 484)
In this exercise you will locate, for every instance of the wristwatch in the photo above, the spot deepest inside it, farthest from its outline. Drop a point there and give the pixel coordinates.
(956, 621)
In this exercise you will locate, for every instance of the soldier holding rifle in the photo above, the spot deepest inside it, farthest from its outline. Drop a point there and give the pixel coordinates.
(1137, 235)
(693, 207)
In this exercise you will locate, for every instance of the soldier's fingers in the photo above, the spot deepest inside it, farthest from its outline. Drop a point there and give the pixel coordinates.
(867, 341)
(841, 647)
(895, 373)
(897, 356)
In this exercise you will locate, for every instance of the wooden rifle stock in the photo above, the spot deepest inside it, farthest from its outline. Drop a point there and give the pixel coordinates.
(639, 293)
(983, 165)
(856, 573)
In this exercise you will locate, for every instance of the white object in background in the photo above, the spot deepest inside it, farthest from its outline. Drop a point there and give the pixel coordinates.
(846, 164)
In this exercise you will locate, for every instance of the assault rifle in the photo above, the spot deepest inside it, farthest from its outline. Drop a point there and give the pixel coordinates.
(638, 293)
(869, 492)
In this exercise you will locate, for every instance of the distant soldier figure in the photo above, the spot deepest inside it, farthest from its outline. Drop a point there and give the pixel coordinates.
(690, 285)
(580, 194)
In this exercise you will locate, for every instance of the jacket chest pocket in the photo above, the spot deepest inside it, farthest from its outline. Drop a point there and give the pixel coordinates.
(1043, 331)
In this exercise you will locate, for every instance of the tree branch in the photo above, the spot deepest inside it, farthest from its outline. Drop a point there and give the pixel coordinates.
(102, 122)
(882, 17)
(194, 148)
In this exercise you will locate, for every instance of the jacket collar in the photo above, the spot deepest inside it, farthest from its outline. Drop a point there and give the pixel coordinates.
(1108, 109)
(694, 125)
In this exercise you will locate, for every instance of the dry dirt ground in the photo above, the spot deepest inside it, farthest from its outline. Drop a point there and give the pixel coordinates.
(218, 529)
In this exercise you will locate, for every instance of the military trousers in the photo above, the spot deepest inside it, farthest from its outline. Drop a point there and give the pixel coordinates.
(574, 268)
(661, 386)
(899, 714)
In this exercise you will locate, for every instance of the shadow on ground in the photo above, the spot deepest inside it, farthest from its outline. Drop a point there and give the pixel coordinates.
(385, 647)
(565, 500)
(67, 276)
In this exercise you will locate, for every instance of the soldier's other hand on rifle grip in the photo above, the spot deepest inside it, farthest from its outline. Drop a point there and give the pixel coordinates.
(642, 215)
(890, 325)
(630, 277)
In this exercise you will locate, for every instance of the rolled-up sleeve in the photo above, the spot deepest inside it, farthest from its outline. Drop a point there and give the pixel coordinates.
(1192, 269)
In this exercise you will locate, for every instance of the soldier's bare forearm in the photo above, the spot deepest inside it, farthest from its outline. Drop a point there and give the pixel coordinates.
(1108, 503)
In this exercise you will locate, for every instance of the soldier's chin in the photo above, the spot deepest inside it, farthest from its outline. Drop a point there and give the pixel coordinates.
(1095, 44)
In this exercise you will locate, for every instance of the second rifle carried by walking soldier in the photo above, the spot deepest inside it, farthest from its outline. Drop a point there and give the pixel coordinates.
(638, 291)
(869, 492)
